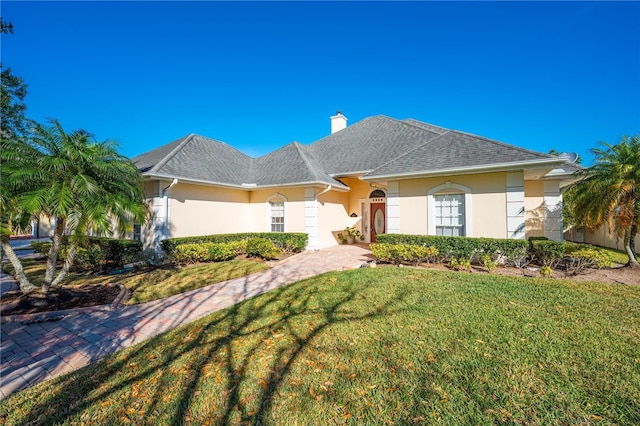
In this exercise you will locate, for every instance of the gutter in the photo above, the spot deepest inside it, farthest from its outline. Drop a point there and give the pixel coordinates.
(245, 186)
(467, 170)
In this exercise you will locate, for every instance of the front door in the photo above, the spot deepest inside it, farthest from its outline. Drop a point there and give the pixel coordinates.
(378, 220)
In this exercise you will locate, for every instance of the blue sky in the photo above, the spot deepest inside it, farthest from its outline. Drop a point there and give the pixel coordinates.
(540, 75)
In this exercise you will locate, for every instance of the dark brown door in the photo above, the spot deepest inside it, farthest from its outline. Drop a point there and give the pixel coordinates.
(378, 220)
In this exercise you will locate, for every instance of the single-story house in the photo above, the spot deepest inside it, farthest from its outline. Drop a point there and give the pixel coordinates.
(379, 175)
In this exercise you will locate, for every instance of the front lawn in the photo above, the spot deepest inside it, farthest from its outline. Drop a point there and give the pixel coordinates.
(151, 284)
(373, 346)
(618, 256)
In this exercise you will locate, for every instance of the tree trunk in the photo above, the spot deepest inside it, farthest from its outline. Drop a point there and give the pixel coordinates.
(52, 259)
(71, 256)
(629, 245)
(25, 284)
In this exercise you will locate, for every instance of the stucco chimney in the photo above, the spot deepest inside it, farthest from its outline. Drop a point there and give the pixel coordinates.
(338, 122)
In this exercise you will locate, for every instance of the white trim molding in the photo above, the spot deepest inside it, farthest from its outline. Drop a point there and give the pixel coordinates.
(311, 217)
(515, 205)
(393, 208)
(449, 187)
(553, 211)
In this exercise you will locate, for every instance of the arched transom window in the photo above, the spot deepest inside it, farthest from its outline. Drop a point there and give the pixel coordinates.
(277, 213)
(449, 210)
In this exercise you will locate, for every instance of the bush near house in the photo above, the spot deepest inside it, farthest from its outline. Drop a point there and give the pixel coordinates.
(98, 252)
(207, 252)
(572, 257)
(545, 251)
(261, 247)
(403, 253)
(287, 242)
(510, 251)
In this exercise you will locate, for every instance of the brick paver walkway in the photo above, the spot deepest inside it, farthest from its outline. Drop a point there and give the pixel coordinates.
(36, 352)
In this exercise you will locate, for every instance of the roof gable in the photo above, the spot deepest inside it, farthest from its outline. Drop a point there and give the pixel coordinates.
(198, 158)
(367, 144)
(288, 165)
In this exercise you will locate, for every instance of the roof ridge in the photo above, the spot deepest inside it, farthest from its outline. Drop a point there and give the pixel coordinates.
(173, 152)
(497, 142)
(419, 121)
(304, 155)
(412, 150)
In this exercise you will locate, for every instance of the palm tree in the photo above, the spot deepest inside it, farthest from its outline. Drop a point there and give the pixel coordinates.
(609, 192)
(82, 184)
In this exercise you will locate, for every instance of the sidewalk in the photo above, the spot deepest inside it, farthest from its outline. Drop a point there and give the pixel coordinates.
(32, 353)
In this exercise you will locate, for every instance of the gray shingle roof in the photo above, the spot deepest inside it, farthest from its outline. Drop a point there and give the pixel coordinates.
(198, 158)
(290, 164)
(436, 129)
(456, 150)
(378, 146)
(368, 144)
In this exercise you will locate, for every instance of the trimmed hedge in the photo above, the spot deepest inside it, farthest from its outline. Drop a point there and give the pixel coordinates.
(207, 252)
(402, 253)
(509, 251)
(261, 247)
(288, 242)
(546, 252)
(98, 251)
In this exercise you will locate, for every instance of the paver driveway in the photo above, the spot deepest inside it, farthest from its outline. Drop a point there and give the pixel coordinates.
(36, 352)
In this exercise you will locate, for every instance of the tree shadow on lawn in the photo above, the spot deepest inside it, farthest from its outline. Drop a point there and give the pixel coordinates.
(37, 351)
(226, 368)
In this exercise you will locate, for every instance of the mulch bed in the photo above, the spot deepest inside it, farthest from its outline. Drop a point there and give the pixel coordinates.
(58, 298)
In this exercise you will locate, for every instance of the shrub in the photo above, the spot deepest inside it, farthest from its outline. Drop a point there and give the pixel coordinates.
(118, 252)
(204, 252)
(288, 242)
(585, 258)
(91, 257)
(460, 264)
(511, 251)
(220, 252)
(261, 247)
(546, 271)
(488, 262)
(402, 253)
(547, 252)
(41, 247)
(112, 252)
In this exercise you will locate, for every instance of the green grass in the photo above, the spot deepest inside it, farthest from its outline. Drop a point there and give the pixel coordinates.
(152, 284)
(373, 346)
(618, 256)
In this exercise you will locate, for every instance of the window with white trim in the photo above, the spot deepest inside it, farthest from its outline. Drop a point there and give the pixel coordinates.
(449, 214)
(277, 216)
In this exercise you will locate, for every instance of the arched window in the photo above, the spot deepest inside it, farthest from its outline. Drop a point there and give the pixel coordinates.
(276, 212)
(449, 210)
(378, 193)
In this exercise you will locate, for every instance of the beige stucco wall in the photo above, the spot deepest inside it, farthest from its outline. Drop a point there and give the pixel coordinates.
(488, 203)
(333, 216)
(258, 209)
(601, 237)
(359, 189)
(204, 210)
(534, 210)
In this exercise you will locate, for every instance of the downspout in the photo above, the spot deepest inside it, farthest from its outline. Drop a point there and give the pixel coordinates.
(166, 206)
(327, 189)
